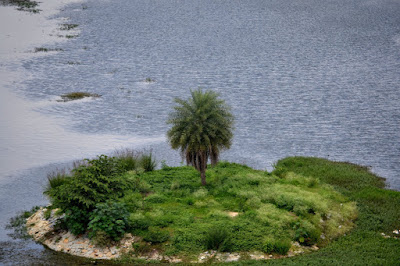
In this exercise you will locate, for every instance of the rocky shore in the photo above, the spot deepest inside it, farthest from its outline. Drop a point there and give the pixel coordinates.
(43, 229)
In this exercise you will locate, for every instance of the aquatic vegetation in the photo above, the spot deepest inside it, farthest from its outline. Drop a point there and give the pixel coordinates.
(71, 36)
(68, 26)
(149, 80)
(77, 95)
(43, 49)
(73, 63)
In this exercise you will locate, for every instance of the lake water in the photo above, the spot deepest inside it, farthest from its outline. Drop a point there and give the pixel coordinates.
(307, 77)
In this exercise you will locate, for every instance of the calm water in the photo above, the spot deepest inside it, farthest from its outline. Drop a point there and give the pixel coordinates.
(307, 77)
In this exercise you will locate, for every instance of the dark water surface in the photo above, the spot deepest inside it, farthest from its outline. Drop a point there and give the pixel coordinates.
(306, 77)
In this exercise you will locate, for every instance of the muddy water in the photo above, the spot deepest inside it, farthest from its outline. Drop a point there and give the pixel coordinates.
(303, 78)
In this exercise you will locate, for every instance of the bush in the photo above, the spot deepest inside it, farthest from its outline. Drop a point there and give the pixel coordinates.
(139, 221)
(156, 235)
(218, 238)
(306, 233)
(268, 246)
(133, 201)
(92, 183)
(282, 246)
(111, 218)
(156, 198)
(76, 220)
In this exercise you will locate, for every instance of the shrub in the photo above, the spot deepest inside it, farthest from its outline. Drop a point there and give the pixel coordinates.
(76, 220)
(156, 235)
(218, 238)
(268, 246)
(282, 246)
(133, 201)
(111, 218)
(156, 198)
(95, 182)
(101, 238)
(139, 221)
(305, 233)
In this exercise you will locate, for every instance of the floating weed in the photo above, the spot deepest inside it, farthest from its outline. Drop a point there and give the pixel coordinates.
(149, 80)
(71, 36)
(43, 49)
(73, 63)
(77, 95)
(68, 26)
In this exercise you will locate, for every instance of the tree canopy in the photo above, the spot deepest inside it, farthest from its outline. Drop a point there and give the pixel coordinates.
(201, 128)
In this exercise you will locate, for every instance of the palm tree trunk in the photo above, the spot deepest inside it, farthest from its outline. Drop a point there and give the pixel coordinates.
(203, 178)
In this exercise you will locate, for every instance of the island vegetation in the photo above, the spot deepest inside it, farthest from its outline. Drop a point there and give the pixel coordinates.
(338, 208)
(77, 95)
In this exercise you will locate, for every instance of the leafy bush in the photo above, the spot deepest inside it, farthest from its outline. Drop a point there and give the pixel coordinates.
(76, 220)
(97, 181)
(111, 218)
(156, 235)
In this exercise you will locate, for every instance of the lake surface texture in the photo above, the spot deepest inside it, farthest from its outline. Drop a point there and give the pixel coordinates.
(306, 77)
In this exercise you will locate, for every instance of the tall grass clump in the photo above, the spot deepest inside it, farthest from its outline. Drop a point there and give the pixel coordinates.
(147, 162)
(218, 238)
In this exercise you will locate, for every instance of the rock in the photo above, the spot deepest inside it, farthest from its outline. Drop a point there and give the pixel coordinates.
(258, 256)
(314, 247)
(233, 214)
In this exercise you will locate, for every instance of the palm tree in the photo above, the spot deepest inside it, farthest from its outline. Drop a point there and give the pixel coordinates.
(201, 128)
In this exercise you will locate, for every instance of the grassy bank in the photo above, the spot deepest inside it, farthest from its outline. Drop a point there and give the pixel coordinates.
(341, 207)
(379, 212)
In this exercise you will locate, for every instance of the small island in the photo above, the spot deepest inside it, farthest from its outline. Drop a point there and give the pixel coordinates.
(121, 207)
(77, 96)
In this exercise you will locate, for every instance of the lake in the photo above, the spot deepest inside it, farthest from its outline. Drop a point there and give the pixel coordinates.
(307, 77)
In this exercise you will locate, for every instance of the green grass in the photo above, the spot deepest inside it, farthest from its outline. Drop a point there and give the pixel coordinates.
(379, 212)
(270, 208)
